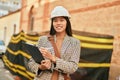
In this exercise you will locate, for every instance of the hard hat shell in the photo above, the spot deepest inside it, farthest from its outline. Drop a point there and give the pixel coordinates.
(59, 11)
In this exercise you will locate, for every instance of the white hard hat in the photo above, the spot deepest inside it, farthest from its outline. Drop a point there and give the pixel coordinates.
(59, 11)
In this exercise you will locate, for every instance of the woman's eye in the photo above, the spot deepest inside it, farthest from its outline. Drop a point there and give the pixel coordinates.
(54, 20)
(62, 20)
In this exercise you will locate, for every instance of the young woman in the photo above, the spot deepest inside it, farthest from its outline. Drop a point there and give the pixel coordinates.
(68, 47)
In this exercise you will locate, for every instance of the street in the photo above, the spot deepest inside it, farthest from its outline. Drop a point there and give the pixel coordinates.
(4, 73)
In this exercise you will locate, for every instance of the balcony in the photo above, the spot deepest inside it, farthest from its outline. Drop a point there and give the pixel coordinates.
(9, 6)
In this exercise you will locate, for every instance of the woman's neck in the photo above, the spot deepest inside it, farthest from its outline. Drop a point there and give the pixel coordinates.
(60, 35)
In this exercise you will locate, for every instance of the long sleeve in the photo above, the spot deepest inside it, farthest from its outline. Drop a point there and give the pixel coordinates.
(70, 65)
(33, 66)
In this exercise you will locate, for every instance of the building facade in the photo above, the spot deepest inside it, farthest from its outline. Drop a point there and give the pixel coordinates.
(95, 16)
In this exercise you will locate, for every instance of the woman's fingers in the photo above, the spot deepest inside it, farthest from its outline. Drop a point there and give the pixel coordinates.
(45, 64)
(43, 50)
(46, 53)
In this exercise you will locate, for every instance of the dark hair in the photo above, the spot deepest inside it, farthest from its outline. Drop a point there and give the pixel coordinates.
(68, 27)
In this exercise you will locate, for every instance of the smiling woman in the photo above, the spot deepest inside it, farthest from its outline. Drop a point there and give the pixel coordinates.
(62, 60)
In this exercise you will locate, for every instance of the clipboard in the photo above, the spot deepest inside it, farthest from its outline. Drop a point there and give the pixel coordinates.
(33, 51)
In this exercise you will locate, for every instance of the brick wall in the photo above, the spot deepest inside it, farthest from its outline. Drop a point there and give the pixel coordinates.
(100, 16)
(9, 21)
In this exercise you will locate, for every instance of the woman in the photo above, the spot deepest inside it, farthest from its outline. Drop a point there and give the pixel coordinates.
(68, 47)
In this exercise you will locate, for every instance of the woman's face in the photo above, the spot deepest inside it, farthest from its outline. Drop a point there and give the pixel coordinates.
(59, 24)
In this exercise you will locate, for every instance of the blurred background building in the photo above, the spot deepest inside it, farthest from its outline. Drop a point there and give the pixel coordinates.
(95, 16)
(8, 6)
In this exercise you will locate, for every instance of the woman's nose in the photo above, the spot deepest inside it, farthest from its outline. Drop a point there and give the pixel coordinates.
(58, 22)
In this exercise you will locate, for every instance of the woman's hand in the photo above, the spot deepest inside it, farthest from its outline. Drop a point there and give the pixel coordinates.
(46, 53)
(45, 64)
